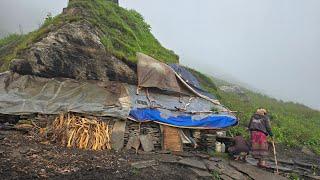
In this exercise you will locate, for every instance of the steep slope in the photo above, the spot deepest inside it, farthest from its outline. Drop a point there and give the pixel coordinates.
(91, 39)
(294, 125)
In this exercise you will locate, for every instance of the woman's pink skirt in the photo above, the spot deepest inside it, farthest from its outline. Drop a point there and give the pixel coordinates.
(259, 144)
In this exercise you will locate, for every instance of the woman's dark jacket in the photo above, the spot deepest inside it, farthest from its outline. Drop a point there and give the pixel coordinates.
(260, 123)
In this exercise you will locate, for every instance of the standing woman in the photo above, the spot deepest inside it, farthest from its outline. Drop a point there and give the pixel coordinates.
(260, 128)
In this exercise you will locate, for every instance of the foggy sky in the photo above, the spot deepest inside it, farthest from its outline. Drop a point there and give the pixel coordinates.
(29, 14)
(272, 45)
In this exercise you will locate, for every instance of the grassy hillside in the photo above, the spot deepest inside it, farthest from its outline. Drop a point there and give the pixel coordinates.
(294, 125)
(7, 48)
(124, 32)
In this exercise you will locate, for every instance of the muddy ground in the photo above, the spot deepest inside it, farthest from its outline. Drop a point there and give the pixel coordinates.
(22, 156)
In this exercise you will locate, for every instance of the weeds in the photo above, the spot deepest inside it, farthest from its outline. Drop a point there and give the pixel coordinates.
(216, 175)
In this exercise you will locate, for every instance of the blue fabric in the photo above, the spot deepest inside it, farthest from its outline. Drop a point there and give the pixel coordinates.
(212, 121)
(203, 92)
(190, 79)
(186, 75)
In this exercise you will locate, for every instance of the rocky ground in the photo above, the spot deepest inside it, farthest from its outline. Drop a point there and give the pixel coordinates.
(24, 156)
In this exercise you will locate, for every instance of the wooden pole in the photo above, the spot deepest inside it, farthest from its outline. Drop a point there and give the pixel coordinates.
(275, 156)
(138, 137)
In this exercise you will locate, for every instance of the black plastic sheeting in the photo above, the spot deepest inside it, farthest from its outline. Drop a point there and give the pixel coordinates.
(190, 79)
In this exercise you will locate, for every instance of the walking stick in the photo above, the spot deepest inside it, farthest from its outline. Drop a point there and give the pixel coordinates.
(275, 155)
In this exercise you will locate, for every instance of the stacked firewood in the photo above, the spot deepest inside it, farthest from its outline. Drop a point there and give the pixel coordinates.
(80, 132)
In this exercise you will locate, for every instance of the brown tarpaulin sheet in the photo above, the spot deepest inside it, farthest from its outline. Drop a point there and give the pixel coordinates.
(30, 94)
(152, 73)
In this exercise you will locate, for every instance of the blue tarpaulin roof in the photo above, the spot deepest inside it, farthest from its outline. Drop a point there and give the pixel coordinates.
(181, 119)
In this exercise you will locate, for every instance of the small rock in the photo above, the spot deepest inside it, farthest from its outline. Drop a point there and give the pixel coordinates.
(24, 150)
(307, 151)
(121, 159)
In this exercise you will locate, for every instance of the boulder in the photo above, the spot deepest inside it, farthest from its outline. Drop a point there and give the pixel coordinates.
(73, 51)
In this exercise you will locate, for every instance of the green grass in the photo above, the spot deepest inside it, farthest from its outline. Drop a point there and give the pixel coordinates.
(124, 32)
(23, 42)
(9, 39)
(294, 125)
(215, 175)
(7, 46)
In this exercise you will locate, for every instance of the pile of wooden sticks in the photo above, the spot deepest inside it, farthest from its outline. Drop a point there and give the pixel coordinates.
(81, 132)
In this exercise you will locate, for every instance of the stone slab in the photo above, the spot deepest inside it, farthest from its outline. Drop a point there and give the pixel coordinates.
(313, 177)
(225, 177)
(146, 142)
(117, 137)
(303, 164)
(202, 155)
(183, 154)
(169, 159)
(272, 165)
(143, 164)
(201, 173)
(193, 163)
(133, 142)
(282, 161)
(224, 169)
(254, 172)
(212, 166)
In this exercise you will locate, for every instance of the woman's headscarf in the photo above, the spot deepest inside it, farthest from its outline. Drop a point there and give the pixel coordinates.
(261, 111)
